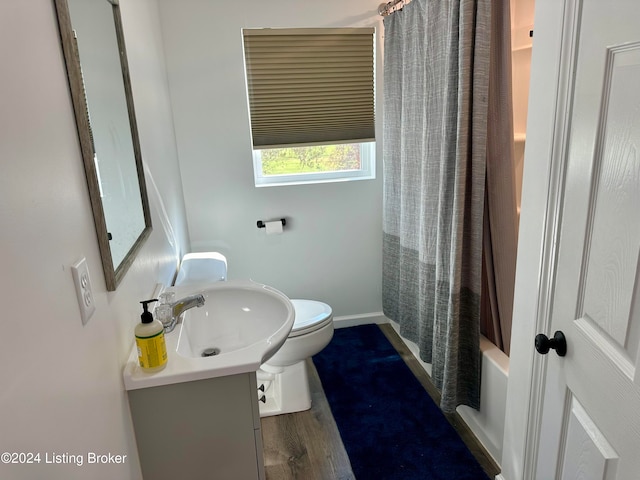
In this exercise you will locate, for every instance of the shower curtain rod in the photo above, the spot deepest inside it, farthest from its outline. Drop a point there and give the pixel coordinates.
(385, 9)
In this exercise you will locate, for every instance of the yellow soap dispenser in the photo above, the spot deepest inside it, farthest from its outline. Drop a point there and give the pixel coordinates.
(152, 351)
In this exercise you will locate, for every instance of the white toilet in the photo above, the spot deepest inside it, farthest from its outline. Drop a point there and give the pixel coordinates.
(283, 382)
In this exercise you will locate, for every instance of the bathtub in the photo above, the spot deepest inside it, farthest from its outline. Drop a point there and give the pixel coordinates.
(488, 423)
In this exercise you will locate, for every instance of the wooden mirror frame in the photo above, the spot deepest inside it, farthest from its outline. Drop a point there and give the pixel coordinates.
(113, 274)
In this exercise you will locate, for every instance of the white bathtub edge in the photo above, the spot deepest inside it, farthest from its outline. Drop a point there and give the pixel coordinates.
(488, 424)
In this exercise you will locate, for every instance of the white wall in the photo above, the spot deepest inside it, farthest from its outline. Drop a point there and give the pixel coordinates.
(332, 246)
(61, 383)
(522, 12)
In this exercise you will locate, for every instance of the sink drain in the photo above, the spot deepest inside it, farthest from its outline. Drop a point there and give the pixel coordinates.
(210, 352)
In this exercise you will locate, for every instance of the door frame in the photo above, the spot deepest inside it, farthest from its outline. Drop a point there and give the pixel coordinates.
(548, 123)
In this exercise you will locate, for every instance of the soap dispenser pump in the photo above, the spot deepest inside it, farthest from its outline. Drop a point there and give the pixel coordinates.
(152, 351)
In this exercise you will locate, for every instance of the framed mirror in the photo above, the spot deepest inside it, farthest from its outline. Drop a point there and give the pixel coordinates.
(96, 60)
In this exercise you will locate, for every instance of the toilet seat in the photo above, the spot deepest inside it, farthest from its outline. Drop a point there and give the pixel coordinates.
(311, 315)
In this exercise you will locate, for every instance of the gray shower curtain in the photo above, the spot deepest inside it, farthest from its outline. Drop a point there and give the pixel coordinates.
(436, 75)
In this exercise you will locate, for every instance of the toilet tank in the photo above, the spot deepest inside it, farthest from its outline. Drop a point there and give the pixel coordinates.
(202, 267)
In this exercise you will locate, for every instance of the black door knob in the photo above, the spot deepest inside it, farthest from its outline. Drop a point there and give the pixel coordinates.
(558, 343)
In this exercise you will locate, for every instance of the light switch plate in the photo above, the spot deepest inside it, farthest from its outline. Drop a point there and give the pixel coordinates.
(80, 272)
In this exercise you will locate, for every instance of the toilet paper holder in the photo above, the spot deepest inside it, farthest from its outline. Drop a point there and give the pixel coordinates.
(262, 224)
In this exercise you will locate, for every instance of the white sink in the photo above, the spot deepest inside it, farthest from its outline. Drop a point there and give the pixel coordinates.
(236, 316)
(240, 326)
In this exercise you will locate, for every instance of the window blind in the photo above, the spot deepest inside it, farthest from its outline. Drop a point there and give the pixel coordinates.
(310, 86)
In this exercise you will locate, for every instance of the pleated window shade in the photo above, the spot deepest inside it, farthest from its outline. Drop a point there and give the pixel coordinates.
(310, 86)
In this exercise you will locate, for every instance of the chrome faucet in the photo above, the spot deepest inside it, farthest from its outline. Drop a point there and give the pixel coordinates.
(169, 313)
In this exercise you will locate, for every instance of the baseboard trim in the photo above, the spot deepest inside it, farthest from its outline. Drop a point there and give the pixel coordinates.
(360, 319)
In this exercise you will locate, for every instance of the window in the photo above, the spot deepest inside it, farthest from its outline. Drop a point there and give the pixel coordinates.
(314, 164)
(311, 103)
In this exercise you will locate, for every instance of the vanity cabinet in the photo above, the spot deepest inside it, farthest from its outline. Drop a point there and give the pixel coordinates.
(199, 429)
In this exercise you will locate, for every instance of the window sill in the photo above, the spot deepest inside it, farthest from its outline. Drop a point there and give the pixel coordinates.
(279, 181)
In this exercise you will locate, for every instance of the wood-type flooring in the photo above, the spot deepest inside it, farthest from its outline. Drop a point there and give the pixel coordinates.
(307, 445)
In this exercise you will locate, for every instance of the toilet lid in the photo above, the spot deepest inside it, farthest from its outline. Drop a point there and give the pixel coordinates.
(310, 316)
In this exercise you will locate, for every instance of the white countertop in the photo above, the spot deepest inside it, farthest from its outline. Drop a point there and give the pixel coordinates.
(182, 368)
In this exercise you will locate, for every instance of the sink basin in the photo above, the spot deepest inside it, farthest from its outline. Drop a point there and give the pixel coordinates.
(236, 315)
(240, 326)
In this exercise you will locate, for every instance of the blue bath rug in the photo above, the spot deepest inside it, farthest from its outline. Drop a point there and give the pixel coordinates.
(390, 427)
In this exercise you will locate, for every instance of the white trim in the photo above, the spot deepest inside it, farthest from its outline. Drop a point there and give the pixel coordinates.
(366, 172)
(559, 148)
(500, 477)
(545, 150)
(360, 319)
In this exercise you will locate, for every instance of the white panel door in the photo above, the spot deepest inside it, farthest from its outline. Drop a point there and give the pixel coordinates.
(591, 411)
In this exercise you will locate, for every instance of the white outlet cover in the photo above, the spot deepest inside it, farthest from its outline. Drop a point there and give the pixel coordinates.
(84, 292)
